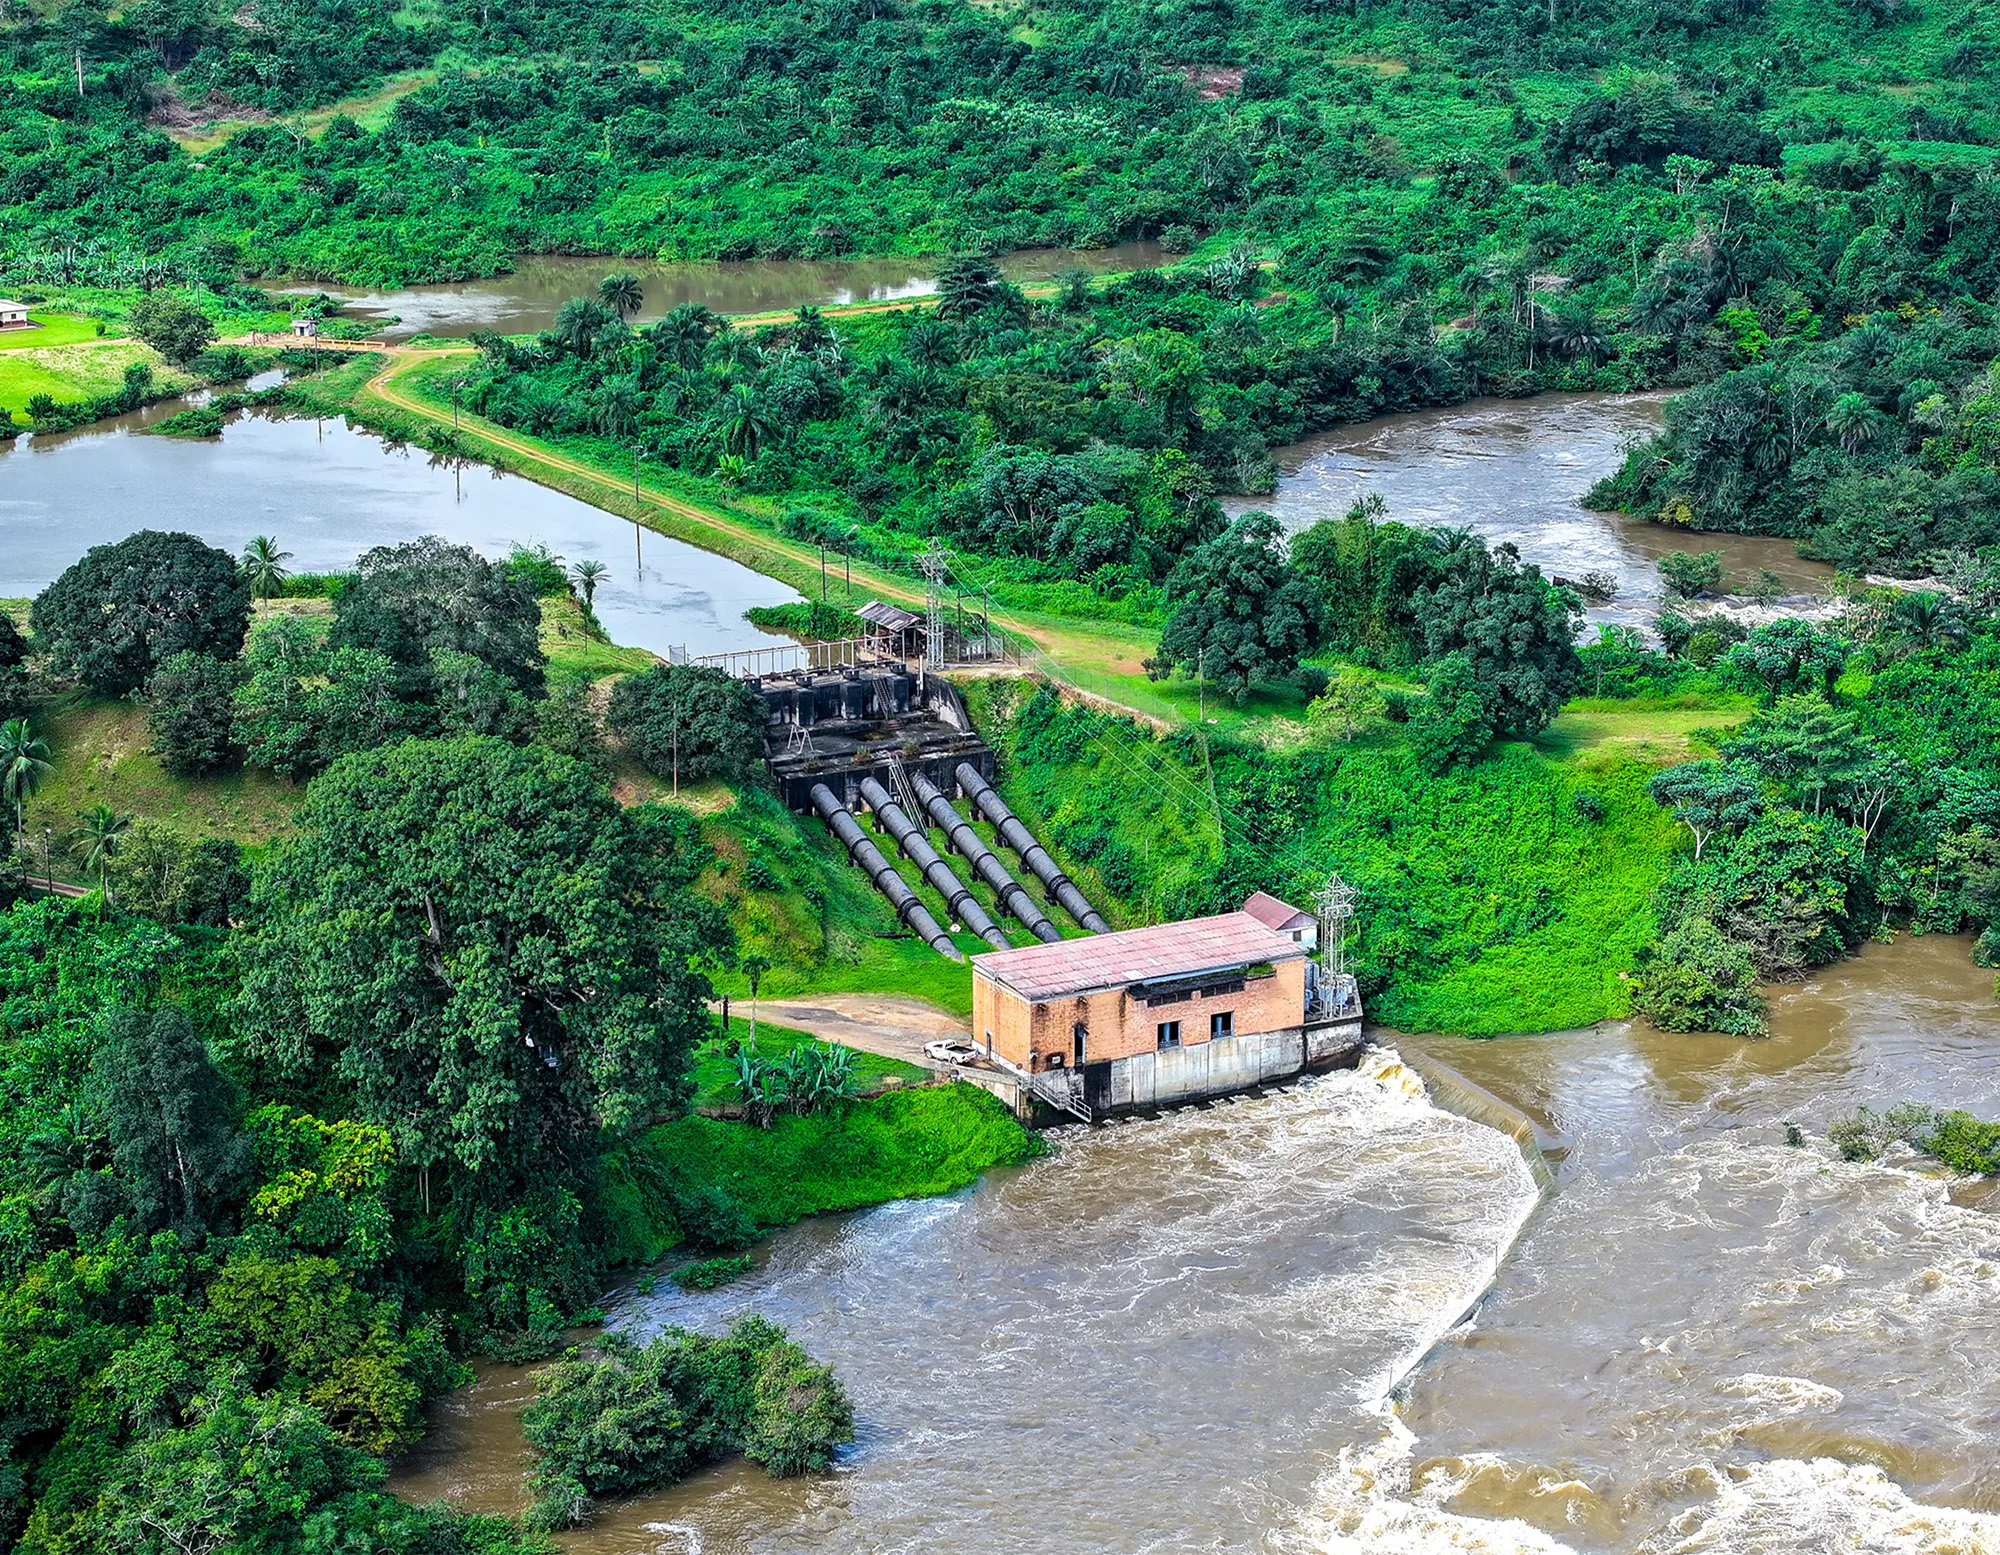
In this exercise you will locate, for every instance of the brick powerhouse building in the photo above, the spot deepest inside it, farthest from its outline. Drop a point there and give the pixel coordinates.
(1150, 1017)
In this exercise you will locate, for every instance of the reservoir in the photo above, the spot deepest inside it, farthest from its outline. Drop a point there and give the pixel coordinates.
(1515, 471)
(525, 301)
(327, 493)
(1337, 1320)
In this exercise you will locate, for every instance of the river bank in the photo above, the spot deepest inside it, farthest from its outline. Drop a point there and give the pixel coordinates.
(1196, 1331)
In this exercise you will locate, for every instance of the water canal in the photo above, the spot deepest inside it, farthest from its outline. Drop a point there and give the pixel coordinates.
(1337, 1319)
(327, 493)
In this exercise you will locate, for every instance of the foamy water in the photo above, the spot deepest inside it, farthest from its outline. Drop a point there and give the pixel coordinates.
(1339, 1321)
(1144, 1341)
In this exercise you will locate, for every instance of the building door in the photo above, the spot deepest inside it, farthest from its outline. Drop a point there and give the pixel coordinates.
(1079, 1039)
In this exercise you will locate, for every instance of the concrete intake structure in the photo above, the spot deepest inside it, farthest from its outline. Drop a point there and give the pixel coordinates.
(918, 850)
(987, 801)
(915, 916)
(986, 864)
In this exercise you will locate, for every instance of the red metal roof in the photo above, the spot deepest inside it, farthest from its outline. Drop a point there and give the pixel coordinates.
(1075, 966)
(1271, 912)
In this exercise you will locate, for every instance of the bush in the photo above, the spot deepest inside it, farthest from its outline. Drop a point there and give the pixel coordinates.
(191, 713)
(162, 872)
(1698, 980)
(709, 1217)
(119, 613)
(799, 1414)
(690, 721)
(171, 325)
(644, 1418)
(1588, 805)
(712, 1273)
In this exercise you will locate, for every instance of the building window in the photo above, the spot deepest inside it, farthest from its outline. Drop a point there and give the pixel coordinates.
(1079, 1042)
(1222, 1024)
(1170, 1033)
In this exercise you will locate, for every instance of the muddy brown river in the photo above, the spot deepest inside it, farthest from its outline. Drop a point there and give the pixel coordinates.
(1337, 1318)
(1515, 471)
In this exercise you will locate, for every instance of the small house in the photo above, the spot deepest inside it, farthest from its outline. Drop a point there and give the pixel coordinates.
(1301, 928)
(306, 329)
(14, 315)
(1147, 1017)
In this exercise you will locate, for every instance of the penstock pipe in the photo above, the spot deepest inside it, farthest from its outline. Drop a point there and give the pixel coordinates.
(987, 801)
(868, 858)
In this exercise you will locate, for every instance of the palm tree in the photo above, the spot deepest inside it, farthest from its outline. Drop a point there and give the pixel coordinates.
(1926, 620)
(96, 839)
(24, 767)
(743, 425)
(754, 968)
(587, 574)
(1340, 303)
(622, 293)
(579, 322)
(684, 333)
(1853, 420)
(264, 566)
(965, 287)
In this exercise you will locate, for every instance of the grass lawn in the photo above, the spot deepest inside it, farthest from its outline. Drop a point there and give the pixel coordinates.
(906, 1144)
(58, 329)
(77, 371)
(714, 1072)
(101, 757)
(1661, 731)
(569, 644)
(369, 109)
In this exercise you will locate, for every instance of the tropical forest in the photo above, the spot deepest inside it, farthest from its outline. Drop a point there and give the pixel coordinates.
(640, 646)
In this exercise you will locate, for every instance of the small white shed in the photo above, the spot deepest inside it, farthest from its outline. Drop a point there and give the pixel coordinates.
(14, 315)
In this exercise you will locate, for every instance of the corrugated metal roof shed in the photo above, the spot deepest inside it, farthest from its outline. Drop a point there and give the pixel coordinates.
(889, 617)
(1273, 913)
(1223, 943)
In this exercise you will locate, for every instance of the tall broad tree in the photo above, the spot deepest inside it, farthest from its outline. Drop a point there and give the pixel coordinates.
(177, 1145)
(414, 600)
(123, 609)
(1516, 629)
(689, 721)
(480, 950)
(1240, 613)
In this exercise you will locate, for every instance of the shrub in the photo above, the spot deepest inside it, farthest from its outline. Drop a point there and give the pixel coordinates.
(163, 872)
(709, 1217)
(1698, 980)
(799, 1414)
(644, 1418)
(1588, 805)
(710, 1273)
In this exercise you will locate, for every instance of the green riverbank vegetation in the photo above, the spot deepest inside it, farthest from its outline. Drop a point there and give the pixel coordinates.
(292, 1128)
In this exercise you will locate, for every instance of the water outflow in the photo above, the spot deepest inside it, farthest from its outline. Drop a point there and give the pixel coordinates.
(918, 850)
(915, 916)
(1013, 896)
(987, 801)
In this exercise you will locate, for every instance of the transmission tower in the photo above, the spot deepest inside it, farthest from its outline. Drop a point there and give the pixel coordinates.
(935, 564)
(1335, 907)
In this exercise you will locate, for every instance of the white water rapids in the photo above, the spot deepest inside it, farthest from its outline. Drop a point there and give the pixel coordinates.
(1337, 1320)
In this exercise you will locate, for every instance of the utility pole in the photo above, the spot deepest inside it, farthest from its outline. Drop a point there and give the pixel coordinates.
(677, 752)
(822, 572)
(1201, 685)
(638, 551)
(79, 72)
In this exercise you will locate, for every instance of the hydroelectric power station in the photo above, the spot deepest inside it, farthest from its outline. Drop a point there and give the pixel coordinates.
(1069, 1015)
